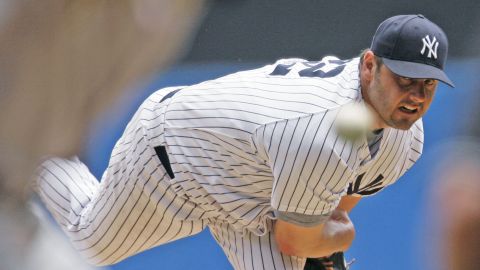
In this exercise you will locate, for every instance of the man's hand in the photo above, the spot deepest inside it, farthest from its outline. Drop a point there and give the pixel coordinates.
(337, 260)
(336, 234)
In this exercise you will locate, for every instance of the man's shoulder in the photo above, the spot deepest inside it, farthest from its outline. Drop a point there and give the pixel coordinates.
(413, 136)
(325, 58)
(417, 138)
(328, 67)
(417, 130)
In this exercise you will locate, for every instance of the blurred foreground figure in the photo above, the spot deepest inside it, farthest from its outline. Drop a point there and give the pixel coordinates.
(454, 231)
(458, 196)
(61, 64)
(458, 201)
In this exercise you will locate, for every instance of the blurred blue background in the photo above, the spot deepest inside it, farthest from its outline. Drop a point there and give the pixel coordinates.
(393, 227)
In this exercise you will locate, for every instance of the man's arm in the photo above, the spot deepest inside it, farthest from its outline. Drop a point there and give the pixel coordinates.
(348, 202)
(336, 234)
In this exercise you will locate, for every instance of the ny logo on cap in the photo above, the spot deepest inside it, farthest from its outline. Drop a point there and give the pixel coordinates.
(432, 46)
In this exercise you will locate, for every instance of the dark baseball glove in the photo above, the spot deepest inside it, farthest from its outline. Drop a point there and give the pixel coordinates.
(335, 262)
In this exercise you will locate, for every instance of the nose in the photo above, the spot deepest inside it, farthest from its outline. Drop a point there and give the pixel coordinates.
(417, 93)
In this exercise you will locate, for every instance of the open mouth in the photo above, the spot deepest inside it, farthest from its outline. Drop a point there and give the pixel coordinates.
(409, 109)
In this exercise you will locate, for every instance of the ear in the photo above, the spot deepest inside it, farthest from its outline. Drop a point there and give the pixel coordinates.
(367, 70)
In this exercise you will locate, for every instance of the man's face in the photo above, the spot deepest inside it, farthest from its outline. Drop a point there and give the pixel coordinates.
(398, 101)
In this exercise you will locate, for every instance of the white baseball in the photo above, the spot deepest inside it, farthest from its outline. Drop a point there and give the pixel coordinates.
(353, 121)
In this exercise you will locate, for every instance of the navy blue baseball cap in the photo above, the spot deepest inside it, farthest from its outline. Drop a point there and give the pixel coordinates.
(412, 46)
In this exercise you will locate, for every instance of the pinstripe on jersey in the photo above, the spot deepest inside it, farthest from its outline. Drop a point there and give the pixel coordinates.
(240, 147)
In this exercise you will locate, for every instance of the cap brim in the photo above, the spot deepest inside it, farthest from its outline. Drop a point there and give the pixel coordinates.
(417, 71)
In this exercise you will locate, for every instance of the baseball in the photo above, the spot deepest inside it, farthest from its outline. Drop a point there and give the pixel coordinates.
(353, 121)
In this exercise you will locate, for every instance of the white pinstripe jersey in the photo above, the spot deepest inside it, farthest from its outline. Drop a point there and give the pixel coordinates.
(243, 149)
(255, 141)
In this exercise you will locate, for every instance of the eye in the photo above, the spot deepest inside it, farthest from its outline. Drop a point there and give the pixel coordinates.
(430, 82)
(405, 81)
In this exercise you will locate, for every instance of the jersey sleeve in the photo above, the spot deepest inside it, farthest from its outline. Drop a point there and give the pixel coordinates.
(301, 219)
(308, 162)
